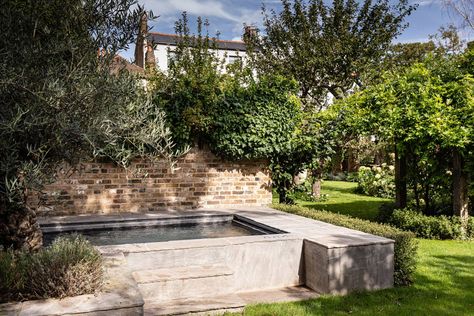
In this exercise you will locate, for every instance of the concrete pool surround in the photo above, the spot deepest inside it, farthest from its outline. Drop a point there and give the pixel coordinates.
(303, 258)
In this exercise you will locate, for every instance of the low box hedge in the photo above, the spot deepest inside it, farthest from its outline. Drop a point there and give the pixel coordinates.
(405, 248)
(432, 227)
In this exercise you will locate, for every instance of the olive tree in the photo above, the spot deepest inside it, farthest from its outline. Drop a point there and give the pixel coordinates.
(57, 96)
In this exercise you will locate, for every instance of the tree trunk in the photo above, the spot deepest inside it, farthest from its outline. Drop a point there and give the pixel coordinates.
(282, 191)
(417, 194)
(283, 197)
(19, 228)
(460, 187)
(337, 162)
(400, 179)
(426, 196)
(316, 187)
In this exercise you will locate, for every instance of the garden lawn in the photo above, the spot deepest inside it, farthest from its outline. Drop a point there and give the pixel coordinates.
(342, 199)
(444, 280)
(444, 285)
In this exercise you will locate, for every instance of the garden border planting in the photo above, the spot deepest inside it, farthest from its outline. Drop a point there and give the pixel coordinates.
(119, 296)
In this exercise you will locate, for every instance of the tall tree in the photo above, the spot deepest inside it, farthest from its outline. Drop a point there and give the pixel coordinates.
(427, 112)
(463, 9)
(56, 89)
(327, 48)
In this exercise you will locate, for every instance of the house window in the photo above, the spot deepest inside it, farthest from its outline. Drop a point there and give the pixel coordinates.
(234, 59)
(172, 56)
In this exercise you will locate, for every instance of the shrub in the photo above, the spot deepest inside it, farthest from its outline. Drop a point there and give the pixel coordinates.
(385, 212)
(304, 192)
(341, 176)
(70, 266)
(470, 227)
(431, 227)
(405, 247)
(377, 181)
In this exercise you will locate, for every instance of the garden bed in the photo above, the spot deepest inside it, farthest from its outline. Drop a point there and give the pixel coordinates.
(119, 296)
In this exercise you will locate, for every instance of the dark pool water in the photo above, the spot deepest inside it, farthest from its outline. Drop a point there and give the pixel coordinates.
(131, 235)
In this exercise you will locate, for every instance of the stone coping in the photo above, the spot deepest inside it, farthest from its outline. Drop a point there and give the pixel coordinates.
(119, 295)
(194, 243)
(321, 233)
(83, 219)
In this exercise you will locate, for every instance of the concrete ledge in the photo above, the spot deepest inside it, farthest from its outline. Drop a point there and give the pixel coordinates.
(120, 296)
(344, 270)
(337, 260)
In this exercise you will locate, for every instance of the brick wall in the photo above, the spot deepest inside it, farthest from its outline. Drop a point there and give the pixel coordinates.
(201, 180)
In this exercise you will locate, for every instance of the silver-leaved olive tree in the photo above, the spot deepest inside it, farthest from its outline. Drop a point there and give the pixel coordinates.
(59, 102)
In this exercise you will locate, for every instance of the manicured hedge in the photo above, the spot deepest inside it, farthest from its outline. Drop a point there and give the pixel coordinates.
(432, 227)
(70, 266)
(405, 247)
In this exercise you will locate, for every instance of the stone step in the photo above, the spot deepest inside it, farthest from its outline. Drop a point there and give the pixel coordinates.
(172, 257)
(226, 303)
(181, 273)
(183, 282)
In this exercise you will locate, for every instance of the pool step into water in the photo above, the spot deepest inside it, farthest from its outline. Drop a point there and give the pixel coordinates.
(216, 305)
(183, 282)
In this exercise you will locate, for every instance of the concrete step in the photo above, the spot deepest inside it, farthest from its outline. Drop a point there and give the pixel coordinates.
(183, 282)
(226, 303)
(170, 257)
(181, 273)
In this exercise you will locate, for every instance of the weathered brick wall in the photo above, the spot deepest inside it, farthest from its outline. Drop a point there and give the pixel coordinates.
(201, 180)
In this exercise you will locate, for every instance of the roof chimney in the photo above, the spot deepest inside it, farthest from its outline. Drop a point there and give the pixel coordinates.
(150, 60)
(139, 48)
(250, 31)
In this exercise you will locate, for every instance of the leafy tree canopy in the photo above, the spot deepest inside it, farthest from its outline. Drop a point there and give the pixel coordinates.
(427, 111)
(327, 48)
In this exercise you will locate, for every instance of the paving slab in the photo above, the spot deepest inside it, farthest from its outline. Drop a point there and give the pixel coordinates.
(232, 302)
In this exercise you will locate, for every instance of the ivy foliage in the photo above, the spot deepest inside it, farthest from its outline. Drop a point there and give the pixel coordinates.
(258, 121)
(190, 89)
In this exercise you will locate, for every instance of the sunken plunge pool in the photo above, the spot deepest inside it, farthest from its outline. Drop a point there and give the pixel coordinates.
(146, 230)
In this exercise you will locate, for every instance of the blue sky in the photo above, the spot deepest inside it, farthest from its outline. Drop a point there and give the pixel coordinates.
(228, 16)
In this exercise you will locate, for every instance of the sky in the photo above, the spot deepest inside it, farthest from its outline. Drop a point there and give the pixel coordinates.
(227, 17)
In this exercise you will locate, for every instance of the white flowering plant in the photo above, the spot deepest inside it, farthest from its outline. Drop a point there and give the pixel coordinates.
(377, 181)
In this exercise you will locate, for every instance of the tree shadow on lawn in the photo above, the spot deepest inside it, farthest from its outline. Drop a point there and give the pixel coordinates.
(341, 186)
(445, 289)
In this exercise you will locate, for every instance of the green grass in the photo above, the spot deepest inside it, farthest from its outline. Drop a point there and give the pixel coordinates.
(444, 285)
(444, 280)
(342, 199)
